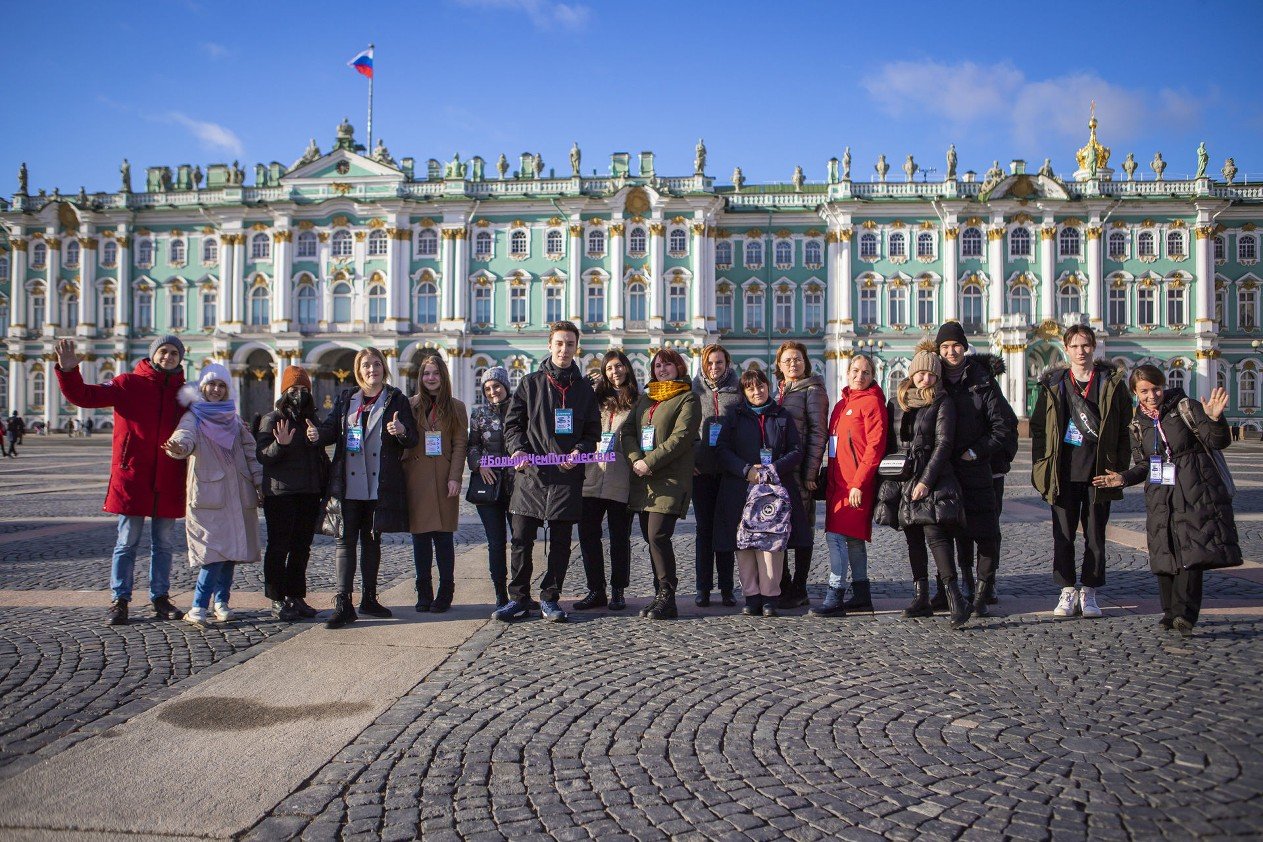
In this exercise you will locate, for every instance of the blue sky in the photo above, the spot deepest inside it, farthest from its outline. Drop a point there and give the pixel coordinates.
(768, 86)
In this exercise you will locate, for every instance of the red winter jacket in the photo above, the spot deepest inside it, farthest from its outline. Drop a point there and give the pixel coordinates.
(859, 424)
(144, 480)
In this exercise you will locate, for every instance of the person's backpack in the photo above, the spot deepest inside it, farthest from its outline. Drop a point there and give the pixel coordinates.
(765, 519)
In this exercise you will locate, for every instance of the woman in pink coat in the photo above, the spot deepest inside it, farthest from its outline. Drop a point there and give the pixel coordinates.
(857, 442)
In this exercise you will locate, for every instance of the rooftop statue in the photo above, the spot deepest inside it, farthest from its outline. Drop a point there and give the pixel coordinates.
(1129, 165)
(1229, 170)
(126, 170)
(910, 168)
(699, 157)
(882, 168)
(1203, 160)
(576, 157)
(1046, 170)
(539, 165)
(846, 164)
(502, 166)
(951, 163)
(1093, 156)
(311, 153)
(797, 178)
(738, 178)
(1158, 165)
(22, 179)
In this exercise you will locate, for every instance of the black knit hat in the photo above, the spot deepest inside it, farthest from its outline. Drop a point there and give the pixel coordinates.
(951, 332)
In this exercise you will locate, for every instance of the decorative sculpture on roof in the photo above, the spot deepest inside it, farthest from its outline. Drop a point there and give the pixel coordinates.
(882, 168)
(833, 170)
(1203, 160)
(738, 178)
(846, 164)
(310, 154)
(1158, 165)
(82, 198)
(951, 163)
(1046, 170)
(502, 166)
(1129, 166)
(455, 168)
(346, 136)
(381, 154)
(910, 168)
(1229, 170)
(797, 178)
(699, 157)
(539, 165)
(23, 177)
(125, 169)
(1093, 156)
(476, 165)
(993, 176)
(576, 157)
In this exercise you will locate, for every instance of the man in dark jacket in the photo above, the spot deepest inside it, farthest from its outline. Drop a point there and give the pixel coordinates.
(553, 411)
(986, 443)
(1079, 431)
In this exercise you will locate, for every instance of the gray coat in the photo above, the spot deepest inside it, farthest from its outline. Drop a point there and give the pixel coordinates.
(727, 394)
(807, 403)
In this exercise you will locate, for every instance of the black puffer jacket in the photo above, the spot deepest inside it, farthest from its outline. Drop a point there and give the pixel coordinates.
(726, 394)
(299, 467)
(807, 403)
(1189, 524)
(927, 433)
(739, 444)
(546, 492)
(987, 425)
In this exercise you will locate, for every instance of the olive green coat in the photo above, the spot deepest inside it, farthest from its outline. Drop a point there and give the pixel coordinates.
(669, 485)
(1113, 451)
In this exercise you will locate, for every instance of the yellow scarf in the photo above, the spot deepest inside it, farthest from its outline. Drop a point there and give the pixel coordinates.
(662, 390)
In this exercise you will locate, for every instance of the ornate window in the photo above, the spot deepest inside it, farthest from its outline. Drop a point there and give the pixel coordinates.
(378, 243)
(1221, 377)
(518, 243)
(517, 304)
(783, 309)
(1145, 246)
(1247, 248)
(1146, 306)
(376, 303)
(306, 247)
(897, 305)
(1175, 378)
(72, 252)
(341, 303)
(308, 306)
(1020, 243)
(38, 389)
(210, 308)
(1175, 305)
(868, 306)
(1068, 298)
(971, 299)
(553, 295)
(925, 306)
(425, 305)
(754, 254)
(70, 310)
(1175, 245)
(813, 254)
(553, 243)
(723, 254)
(925, 244)
(176, 252)
(971, 242)
(637, 309)
(144, 310)
(1221, 307)
(1247, 309)
(813, 309)
(723, 307)
(596, 246)
(260, 306)
(428, 243)
(1248, 389)
(144, 252)
(1020, 301)
(898, 246)
(594, 310)
(1071, 244)
(868, 245)
(107, 310)
(783, 252)
(752, 312)
(210, 249)
(4, 324)
(677, 303)
(1117, 306)
(482, 245)
(637, 244)
(342, 244)
(482, 304)
(260, 247)
(178, 310)
(109, 253)
(38, 309)
(1117, 248)
(1221, 249)
(677, 242)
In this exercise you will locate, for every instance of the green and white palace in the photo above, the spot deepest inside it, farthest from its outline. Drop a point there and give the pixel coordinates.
(475, 258)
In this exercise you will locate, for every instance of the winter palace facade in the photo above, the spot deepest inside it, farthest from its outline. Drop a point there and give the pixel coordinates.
(351, 247)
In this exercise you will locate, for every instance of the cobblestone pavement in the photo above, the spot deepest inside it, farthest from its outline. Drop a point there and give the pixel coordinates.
(710, 727)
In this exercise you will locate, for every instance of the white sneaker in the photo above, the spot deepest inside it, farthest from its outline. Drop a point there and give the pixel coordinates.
(1068, 604)
(222, 612)
(196, 616)
(1087, 603)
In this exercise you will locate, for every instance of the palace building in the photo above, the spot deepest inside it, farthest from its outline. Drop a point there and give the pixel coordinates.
(351, 247)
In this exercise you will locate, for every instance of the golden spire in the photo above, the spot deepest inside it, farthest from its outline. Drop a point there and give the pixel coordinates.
(1093, 156)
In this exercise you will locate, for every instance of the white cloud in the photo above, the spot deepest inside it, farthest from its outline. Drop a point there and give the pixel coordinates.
(214, 51)
(542, 14)
(212, 135)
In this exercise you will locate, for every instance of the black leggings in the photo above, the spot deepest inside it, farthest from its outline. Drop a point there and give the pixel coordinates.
(357, 533)
(596, 511)
(291, 521)
(942, 546)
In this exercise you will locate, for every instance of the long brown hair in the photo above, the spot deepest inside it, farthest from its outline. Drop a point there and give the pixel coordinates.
(607, 393)
(669, 355)
(444, 410)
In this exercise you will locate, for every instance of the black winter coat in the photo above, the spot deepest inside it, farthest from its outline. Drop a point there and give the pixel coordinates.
(391, 511)
(928, 434)
(727, 394)
(546, 492)
(1190, 525)
(299, 467)
(987, 425)
(738, 450)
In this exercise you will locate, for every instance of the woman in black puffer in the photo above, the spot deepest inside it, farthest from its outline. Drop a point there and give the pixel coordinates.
(1188, 508)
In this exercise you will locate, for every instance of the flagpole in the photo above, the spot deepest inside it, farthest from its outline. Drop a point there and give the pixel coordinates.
(370, 104)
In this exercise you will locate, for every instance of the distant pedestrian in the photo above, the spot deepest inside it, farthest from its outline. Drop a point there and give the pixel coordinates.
(87, 428)
(4, 450)
(17, 429)
(225, 488)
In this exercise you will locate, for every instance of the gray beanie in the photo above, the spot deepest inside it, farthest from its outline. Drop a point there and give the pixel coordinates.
(499, 374)
(170, 339)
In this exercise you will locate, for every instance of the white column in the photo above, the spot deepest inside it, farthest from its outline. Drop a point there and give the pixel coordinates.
(1047, 271)
(18, 255)
(123, 292)
(995, 267)
(951, 272)
(703, 279)
(576, 277)
(657, 293)
(615, 304)
(845, 286)
(460, 280)
(282, 284)
(17, 385)
(1204, 287)
(449, 284)
(52, 395)
(236, 284)
(52, 299)
(1095, 271)
(398, 282)
(323, 251)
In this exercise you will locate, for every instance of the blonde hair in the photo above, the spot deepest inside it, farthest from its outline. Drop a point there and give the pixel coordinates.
(365, 353)
(927, 395)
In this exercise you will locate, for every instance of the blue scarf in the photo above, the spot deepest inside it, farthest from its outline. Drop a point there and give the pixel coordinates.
(759, 410)
(218, 421)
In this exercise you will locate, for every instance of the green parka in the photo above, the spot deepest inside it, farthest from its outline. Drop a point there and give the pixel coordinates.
(669, 485)
(1048, 429)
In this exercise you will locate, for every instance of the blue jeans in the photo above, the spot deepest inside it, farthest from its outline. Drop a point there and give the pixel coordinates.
(122, 569)
(844, 551)
(215, 580)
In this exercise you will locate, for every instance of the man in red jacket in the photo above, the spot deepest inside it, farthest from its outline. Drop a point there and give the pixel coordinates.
(144, 480)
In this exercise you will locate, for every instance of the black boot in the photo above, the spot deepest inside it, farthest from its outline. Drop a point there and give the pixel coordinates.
(967, 583)
(989, 592)
(425, 597)
(920, 605)
(617, 603)
(861, 599)
(664, 606)
(443, 599)
(939, 602)
(343, 612)
(370, 606)
(980, 603)
(594, 599)
(502, 594)
(960, 609)
(754, 606)
(727, 599)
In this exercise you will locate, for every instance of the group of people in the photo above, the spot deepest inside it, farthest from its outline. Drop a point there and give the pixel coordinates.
(751, 454)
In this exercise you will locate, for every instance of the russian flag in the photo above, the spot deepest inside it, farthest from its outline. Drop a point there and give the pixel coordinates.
(363, 63)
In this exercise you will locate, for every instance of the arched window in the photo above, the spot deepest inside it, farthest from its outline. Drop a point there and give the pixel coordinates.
(1020, 301)
(596, 244)
(1247, 248)
(1146, 306)
(39, 310)
(377, 243)
(971, 242)
(341, 303)
(637, 308)
(4, 320)
(306, 248)
(343, 243)
(1221, 308)
(308, 306)
(754, 253)
(260, 306)
(144, 252)
(1248, 389)
(898, 246)
(553, 243)
(260, 247)
(480, 399)
(72, 252)
(723, 308)
(176, 250)
(1175, 305)
(925, 244)
(1175, 244)
(784, 253)
(376, 303)
(1176, 378)
(38, 389)
(752, 311)
(897, 300)
(812, 253)
(1070, 242)
(517, 243)
(1068, 298)
(482, 245)
(109, 253)
(1020, 243)
(1145, 245)
(1221, 249)
(677, 303)
(179, 320)
(428, 243)
(1117, 245)
(971, 299)
(723, 253)
(868, 245)
(70, 310)
(516, 373)
(425, 308)
(678, 242)
(783, 310)
(107, 310)
(210, 249)
(144, 310)
(813, 309)
(637, 243)
(4, 268)
(1221, 377)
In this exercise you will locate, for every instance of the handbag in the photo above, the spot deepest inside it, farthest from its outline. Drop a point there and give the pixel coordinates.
(331, 517)
(481, 492)
(897, 467)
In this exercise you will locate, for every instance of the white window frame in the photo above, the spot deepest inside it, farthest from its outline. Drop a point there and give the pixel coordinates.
(554, 296)
(484, 245)
(637, 242)
(677, 242)
(1247, 243)
(1117, 297)
(427, 244)
(868, 299)
(594, 310)
(210, 250)
(336, 297)
(783, 253)
(677, 296)
(868, 245)
(813, 308)
(897, 244)
(307, 247)
(1024, 236)
(483, 295)
(752, 254)
(1064, 298)
(1176, 297)
(307, 295)
(1151, 239)
(557, 250)
(260, 247)
(783, 310)
(259, 316)
(723, 261)
(810, 260)
(759, 322)
(1116, 237)
(1181, 249)
(519, 304)
(430, 295)
(596, 243)
(1027, 297)
(519, 244)
(1069, 242)
(378, 243)
(177, 251)
(109, 254)
(377, 297)
(1147, 300)
(969, 293)
(341, 244)
(968, 237)
(144, 252)
(725, 302)
(897, 304)
(73, 253)
(924, 238)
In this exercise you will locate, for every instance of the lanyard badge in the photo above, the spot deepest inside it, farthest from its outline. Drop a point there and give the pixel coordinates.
(563, 421)
(433, 443)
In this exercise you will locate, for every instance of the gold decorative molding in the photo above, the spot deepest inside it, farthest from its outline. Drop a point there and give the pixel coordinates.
(616, 229)
(657, 229)
(754, 234)
(377, 223)
(360, 236)
(339, 221)
(1093, 232)
(698, 229)
(323, 236)
(1204, 232)
(951, 233)
(995, 234)
(283, 236)
(1048, 233)
(576, 230)
(1208, 354)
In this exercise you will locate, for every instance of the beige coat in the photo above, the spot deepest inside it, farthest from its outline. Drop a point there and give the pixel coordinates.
(429, 507)
(222, 520)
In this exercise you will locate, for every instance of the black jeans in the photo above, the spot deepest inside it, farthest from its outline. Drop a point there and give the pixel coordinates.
(942, 546)
(657, 529)
(594, 511)
(707, 563)
(1181, 594)
(524, 531)
(988, 548)
(357, 533)
(495, 522)
(1072, 506)
(291, 520)
(439, 547)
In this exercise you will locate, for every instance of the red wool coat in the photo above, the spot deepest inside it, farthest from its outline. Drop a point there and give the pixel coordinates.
(859, 423)
(144, 480)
